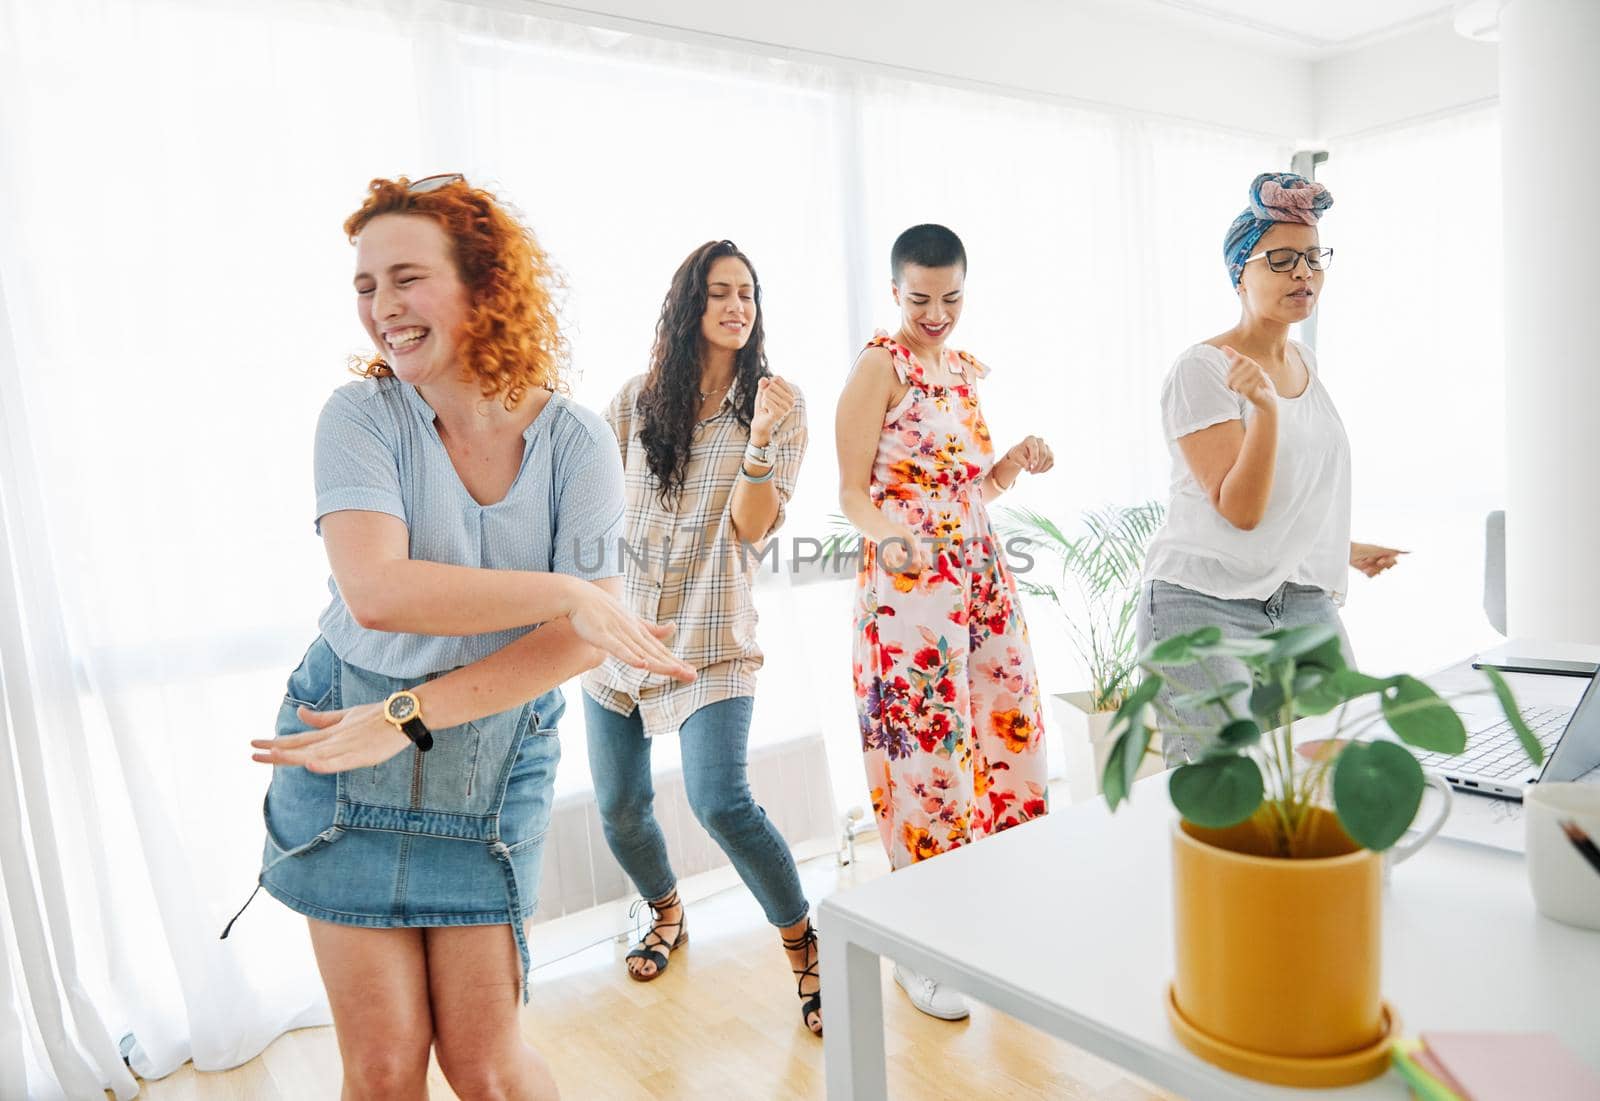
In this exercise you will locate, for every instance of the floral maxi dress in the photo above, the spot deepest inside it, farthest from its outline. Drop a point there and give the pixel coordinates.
(946, 693)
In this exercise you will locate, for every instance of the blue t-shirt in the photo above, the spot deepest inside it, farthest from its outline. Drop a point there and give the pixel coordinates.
(377, 450)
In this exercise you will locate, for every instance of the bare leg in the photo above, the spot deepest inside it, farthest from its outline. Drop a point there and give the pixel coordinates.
(472, 973)
(377, 982)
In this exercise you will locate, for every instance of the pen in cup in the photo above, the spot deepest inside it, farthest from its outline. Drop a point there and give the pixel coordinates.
(1581, 842)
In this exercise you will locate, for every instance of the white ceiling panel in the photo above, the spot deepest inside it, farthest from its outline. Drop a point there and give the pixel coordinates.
(1320, 25)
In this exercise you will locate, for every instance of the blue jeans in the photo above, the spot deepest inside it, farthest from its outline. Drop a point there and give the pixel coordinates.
(714, 743)
(1167, 610)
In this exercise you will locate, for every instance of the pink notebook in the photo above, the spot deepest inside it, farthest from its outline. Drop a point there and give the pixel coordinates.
(1513, 1066)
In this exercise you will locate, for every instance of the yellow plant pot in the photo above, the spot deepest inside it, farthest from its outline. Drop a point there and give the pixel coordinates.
(1278, 960)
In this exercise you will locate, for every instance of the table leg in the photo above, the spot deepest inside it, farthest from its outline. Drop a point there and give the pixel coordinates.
(853, 1040)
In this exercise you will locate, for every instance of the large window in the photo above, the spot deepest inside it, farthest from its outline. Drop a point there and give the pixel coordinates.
(1410, 342)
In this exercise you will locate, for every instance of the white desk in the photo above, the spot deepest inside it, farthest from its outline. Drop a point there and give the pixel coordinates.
(1065, 923)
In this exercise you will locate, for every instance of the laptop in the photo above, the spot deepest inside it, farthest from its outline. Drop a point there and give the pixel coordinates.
(1494, 762)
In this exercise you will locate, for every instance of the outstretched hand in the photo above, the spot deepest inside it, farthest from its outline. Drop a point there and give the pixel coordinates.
(1371, 559)
(605, 623)
(338, 741)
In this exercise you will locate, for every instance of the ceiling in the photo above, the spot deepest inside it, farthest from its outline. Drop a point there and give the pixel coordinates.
(1317, 26)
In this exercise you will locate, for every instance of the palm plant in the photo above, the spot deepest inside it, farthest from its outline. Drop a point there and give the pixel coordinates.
(1103, 566)
(841, 551)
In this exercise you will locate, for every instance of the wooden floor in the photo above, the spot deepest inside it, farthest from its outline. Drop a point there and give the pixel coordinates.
(722, 1023)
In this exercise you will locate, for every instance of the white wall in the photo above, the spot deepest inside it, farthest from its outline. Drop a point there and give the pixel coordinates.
(1157, 61)
(1422, 73)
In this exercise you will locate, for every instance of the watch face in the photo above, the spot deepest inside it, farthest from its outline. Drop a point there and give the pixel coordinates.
(402, 707)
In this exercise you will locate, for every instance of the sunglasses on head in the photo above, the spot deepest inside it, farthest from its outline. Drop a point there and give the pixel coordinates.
(434, 183)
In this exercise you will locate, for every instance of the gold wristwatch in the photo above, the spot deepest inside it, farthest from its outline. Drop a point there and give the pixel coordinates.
(404, 711)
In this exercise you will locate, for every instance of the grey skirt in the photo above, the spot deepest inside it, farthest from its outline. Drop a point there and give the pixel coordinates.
(1167, 610)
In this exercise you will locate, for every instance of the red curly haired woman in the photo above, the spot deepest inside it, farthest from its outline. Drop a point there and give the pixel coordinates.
(469, 512)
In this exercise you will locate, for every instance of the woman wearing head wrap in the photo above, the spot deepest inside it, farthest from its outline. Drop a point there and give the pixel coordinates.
(1258, 528)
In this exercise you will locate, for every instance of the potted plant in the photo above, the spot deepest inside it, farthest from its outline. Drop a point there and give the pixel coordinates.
(1096, 591)
(1277, 856)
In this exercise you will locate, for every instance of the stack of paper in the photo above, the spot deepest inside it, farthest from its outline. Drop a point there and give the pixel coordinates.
(1494, 1066)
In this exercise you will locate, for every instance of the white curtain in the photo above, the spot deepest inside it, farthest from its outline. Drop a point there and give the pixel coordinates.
(1410, 342)
(176, 293)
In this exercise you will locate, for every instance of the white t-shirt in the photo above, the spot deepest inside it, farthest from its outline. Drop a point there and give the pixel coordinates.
(1304, 536)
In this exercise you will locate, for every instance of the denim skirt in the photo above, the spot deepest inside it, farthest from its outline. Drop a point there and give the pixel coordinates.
(453, 836)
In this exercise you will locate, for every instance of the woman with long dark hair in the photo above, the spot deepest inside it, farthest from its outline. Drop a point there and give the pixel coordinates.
(711, 446)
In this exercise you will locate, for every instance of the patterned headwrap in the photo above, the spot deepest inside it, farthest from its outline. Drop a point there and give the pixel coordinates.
(1274, 197)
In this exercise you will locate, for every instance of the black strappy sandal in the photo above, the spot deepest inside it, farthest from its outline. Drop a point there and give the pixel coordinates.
(647, 949)
(809, 1003)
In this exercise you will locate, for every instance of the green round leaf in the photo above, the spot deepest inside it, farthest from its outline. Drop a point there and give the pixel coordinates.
(1131, 718)
(1334, 689)
(1416, 713)
(1318, 700)
(1217, 793)
(1209, 697)
(1181, 650)
(1377, 787)
(1328, 657)
(1308, 678)
(1127, 753)
(1292, 642)
(1237, 735)
(1243, 648)
(1135, 701)
(1266, 700)
(1353, 684)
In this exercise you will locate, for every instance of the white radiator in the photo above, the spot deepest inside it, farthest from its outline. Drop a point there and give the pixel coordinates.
(790, 780)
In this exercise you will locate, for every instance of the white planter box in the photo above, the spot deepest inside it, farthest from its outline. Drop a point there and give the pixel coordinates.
(1080, 746)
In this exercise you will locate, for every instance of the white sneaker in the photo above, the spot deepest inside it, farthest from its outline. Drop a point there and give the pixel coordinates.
(929, 996)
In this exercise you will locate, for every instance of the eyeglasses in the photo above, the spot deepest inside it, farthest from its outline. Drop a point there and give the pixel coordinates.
(1287, 259)
(434, 183)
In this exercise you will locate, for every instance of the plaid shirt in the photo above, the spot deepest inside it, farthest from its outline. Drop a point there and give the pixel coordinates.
(682, 563)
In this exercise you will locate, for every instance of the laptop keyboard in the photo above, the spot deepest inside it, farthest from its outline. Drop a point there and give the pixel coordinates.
(1496, 752)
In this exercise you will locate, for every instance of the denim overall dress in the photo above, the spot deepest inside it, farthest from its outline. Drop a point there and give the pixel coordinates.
(453, 836)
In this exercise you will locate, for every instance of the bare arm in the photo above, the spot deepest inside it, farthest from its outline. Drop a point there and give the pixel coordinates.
(386, 590)
(1001, 477)
(516, 673)
(755, 506)
(521, 671)
(1235, 461)
(1031, 456)
(857, 428)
